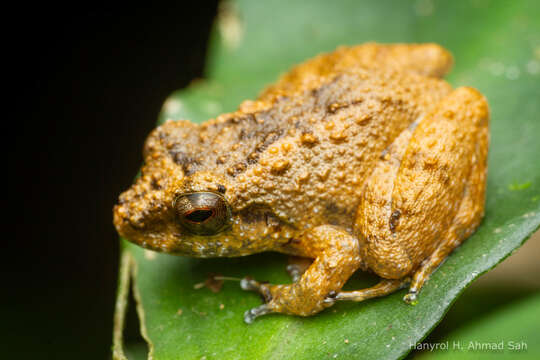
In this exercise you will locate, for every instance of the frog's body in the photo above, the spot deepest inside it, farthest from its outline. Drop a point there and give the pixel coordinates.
(359, 159)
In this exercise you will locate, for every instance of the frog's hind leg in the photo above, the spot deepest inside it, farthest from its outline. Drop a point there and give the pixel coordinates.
(471, 207)
(427, 193)
(469, 216)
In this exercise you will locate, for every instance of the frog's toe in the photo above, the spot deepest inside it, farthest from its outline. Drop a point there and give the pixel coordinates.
(252, 314)
(262, 288)
(330, 299)
(411, 297)
(250, 284)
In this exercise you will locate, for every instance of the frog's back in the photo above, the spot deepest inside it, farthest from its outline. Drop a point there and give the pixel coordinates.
(314, 148)
(429, 59)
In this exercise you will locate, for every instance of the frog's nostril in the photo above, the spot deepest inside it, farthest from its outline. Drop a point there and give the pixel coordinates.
(199, 216)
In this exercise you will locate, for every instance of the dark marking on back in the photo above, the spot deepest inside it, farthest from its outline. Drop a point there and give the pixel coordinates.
(252, 158)
(234, 144)
(187, 162)
(155, 185)
(336, 106)
(242, 134)
(241, 119)
(332, 208)
(394, 218)
(384, 153)
(270, 138)
(236, 169)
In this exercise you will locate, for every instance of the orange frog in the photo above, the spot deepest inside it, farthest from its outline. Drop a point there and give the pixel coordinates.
(363, 158)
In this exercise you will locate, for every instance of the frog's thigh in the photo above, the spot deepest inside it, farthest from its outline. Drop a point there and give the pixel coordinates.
(471, 207)
(381, 249)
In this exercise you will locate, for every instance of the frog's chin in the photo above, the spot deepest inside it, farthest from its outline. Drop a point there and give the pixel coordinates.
(194, 254)
(210, 248)
(197, 246)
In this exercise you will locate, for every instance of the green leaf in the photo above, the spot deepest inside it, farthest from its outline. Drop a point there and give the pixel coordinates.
(496, 45)
(483, 340)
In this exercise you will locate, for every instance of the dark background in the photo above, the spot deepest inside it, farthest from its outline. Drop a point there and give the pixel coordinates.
(84, 89)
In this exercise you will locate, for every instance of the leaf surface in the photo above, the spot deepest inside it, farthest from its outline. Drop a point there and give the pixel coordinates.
(483, 340)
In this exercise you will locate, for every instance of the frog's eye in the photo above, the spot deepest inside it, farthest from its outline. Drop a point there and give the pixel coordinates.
(202, 213)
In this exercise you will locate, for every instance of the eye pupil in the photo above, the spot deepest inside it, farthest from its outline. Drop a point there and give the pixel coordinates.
(199, 216)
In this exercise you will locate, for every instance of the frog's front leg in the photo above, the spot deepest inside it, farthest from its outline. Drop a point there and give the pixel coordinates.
(337, 257)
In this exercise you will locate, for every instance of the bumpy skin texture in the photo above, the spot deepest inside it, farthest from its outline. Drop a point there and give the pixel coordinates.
(358, 159)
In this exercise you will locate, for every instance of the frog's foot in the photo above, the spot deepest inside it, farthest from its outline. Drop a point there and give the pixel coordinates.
(252, 314)
(262, 288)
(411, 297)
(291, 299)
(383, 288)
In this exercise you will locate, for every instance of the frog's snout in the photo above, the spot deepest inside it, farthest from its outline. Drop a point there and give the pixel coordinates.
(132, 217)
(124, 223)
(119, 217)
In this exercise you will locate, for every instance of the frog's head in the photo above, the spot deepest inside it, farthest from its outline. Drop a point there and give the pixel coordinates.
(179, 206)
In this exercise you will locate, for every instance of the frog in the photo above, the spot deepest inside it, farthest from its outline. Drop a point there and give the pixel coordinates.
(360, 159)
